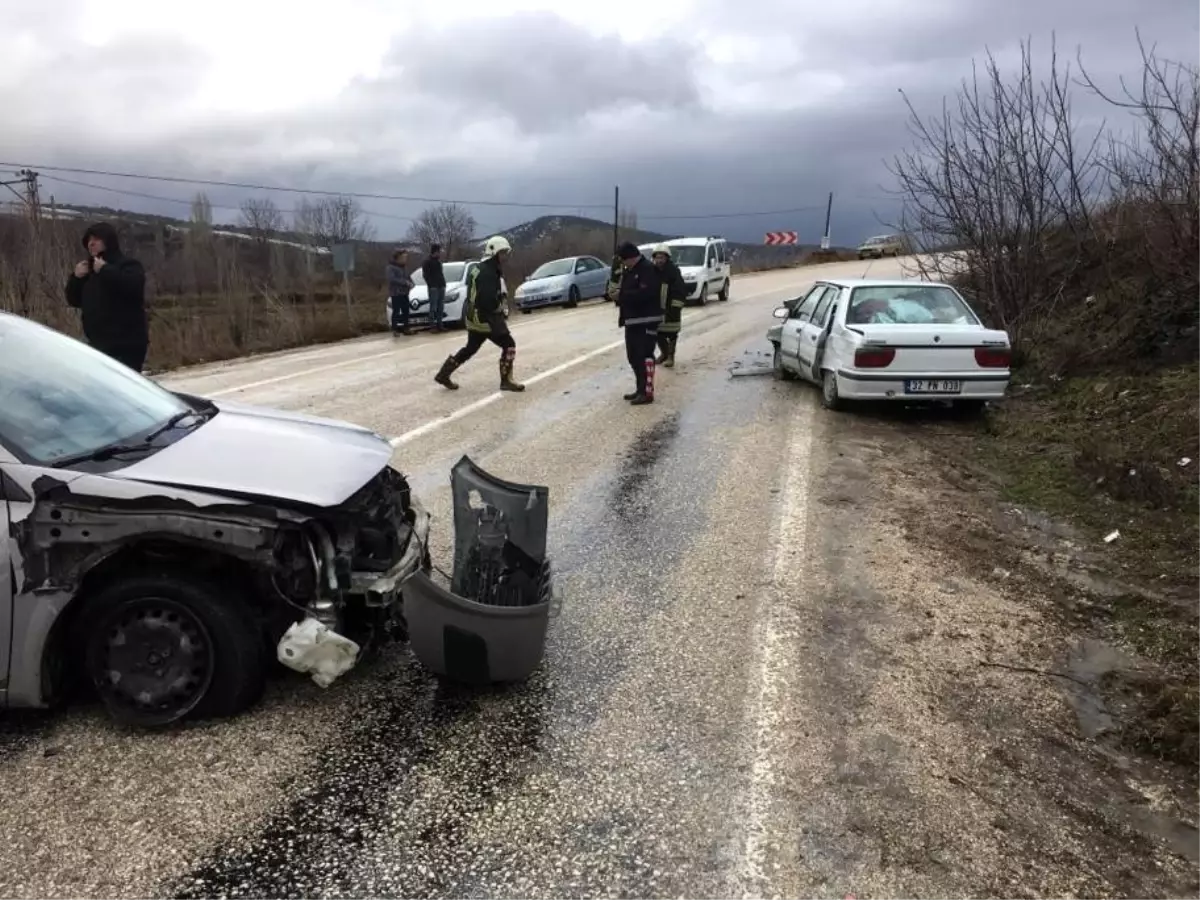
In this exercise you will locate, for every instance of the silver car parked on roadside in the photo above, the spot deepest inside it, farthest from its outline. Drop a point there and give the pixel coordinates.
(563, 282)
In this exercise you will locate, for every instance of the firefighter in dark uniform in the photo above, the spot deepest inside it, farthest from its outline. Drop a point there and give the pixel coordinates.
(674, 294)
(486, 318)
(639, 304)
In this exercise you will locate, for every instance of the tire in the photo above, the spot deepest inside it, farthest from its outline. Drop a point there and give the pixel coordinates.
(222, 659)
(781, 374)
(723, 293)
(703, 298)
(572, 298)
(968, 409)
(830, 398)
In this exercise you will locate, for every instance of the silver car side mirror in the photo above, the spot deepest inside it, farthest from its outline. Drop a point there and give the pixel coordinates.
(781, 312)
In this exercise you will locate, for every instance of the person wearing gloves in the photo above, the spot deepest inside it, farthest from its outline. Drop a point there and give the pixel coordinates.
(639, 312)
(109, 290)
(673, 295)
(486, 318)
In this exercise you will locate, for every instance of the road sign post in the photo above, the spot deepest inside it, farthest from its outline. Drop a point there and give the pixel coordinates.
(343, 261)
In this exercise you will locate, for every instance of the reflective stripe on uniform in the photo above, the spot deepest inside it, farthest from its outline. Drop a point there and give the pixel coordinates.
(474, 323)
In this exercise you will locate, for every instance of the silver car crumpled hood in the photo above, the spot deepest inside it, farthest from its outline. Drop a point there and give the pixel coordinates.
(268, 453)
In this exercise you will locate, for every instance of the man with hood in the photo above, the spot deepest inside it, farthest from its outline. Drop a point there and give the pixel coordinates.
(109, 290)
(486, 317)
(639, 304)
(674, 295)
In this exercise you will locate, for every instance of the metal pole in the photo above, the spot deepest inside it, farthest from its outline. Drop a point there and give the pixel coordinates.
(828, 214)
(349, 305)
(616, 217)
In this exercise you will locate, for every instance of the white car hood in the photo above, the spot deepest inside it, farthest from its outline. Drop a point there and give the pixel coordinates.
(693, 272)
(253, 451)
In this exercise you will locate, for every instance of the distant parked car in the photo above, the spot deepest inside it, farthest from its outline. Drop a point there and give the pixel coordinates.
(455, 308)
(881, 246)
(890, 340)
(563, 282)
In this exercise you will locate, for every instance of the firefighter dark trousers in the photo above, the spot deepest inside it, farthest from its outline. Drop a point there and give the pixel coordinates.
(501, 337)
(667, 341)
(640, 341)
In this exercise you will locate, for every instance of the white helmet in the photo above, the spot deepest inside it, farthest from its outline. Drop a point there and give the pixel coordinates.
(661, 248)
(495, 245)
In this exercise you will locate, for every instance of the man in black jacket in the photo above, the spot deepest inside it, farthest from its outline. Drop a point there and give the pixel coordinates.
(673, 296)
(435, 281)
(487, 319)
(640, 312)
(109, 289)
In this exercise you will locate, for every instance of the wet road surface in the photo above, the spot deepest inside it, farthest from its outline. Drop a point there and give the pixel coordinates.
(725, 709)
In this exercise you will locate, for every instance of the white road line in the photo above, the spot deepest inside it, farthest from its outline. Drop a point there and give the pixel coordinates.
(434, 424)
(773, 644)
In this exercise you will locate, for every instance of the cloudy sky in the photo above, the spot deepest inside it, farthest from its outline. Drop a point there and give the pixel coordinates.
(734, 116)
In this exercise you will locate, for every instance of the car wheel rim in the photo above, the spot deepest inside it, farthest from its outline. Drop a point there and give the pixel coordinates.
(154, 660)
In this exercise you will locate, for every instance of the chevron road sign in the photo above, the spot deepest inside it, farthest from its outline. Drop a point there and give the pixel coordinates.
(775, 238)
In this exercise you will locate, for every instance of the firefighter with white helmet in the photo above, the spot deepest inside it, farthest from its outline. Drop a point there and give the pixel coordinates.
(485, 317)
(673, 297)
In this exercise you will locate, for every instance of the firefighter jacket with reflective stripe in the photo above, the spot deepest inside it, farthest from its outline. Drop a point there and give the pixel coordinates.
(484, 289)
(640, 294)
(672, 295)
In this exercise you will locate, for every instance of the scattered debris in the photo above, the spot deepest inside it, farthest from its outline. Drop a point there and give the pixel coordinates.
(760, 363)
(1111, 536)
(1185, 462)
(312, 647)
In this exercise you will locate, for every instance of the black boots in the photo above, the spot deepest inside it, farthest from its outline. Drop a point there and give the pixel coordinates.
(443, 375)
(506, 369)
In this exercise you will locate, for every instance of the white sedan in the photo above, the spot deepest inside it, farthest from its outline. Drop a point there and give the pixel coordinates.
(890, 340)
(454, 310)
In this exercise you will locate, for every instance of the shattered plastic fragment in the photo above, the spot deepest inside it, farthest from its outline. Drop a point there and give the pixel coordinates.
(1111, 536)
(1186, 461)
(311, 647)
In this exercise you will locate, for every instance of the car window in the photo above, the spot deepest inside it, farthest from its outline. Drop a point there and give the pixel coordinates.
(60, 398)
(908, 304)
(823, 306)
(552, 269)
(803, 305)
(686, 255)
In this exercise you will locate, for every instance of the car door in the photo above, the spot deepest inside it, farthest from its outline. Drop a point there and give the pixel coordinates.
(723, 261)
(790, 333)
(585, 278)
(6, 584)
(811, 329)
(598, 273)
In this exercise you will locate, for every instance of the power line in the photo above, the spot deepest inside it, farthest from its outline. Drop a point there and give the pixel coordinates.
(674, 217)
(249, 186)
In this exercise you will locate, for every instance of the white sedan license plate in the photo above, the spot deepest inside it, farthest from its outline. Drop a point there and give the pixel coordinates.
(932, 386)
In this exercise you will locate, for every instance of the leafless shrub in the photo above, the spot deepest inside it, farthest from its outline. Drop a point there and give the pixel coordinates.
(448, 224)
(332, 220)
(262, 218)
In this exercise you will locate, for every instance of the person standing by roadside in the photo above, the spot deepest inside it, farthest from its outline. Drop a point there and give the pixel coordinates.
(673, 296)
(640, 311)
(399, 285)
(486, 317)
(109, 290)
(435, 281)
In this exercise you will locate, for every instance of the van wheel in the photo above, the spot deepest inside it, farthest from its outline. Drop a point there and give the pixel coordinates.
(158, 648)
(723, 294)
(781, 374)
(703, 298)
(830, 398)
(572, 298)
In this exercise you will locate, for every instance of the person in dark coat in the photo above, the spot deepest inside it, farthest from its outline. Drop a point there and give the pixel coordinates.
(109, 290)
(399, 285)
(640, 312)
(435, 281)
(673, 297)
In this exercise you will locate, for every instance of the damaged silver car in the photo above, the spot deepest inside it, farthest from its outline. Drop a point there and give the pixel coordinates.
(163, 549)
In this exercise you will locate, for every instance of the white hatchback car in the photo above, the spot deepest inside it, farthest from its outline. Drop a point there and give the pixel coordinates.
(455, 308)
(890, 340)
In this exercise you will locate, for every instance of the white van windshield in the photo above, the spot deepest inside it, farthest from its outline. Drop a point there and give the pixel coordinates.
(686, 255)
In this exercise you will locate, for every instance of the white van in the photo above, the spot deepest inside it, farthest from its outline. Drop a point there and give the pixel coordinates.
(704, 264)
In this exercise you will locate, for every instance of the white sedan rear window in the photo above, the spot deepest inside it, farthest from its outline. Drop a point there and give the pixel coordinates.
(905, 305)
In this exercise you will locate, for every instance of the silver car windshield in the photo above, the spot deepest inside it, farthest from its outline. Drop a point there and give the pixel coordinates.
(553, 269)
(61, 398)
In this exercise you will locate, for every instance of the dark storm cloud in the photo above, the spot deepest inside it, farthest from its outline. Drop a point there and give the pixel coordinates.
(531, 108)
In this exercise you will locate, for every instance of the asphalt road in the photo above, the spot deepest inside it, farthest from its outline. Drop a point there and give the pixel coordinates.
(719, 712)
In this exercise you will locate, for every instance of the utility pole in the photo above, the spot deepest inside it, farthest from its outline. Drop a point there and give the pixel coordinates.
(616, 217)
(828, 213)
(32, 201)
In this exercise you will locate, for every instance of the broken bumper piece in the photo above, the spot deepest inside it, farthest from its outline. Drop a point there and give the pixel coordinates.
(489, 624)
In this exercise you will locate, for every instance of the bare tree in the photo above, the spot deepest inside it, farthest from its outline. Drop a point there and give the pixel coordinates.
(262, 218)
(332, 220)
(448, 224)
(1001, 174)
